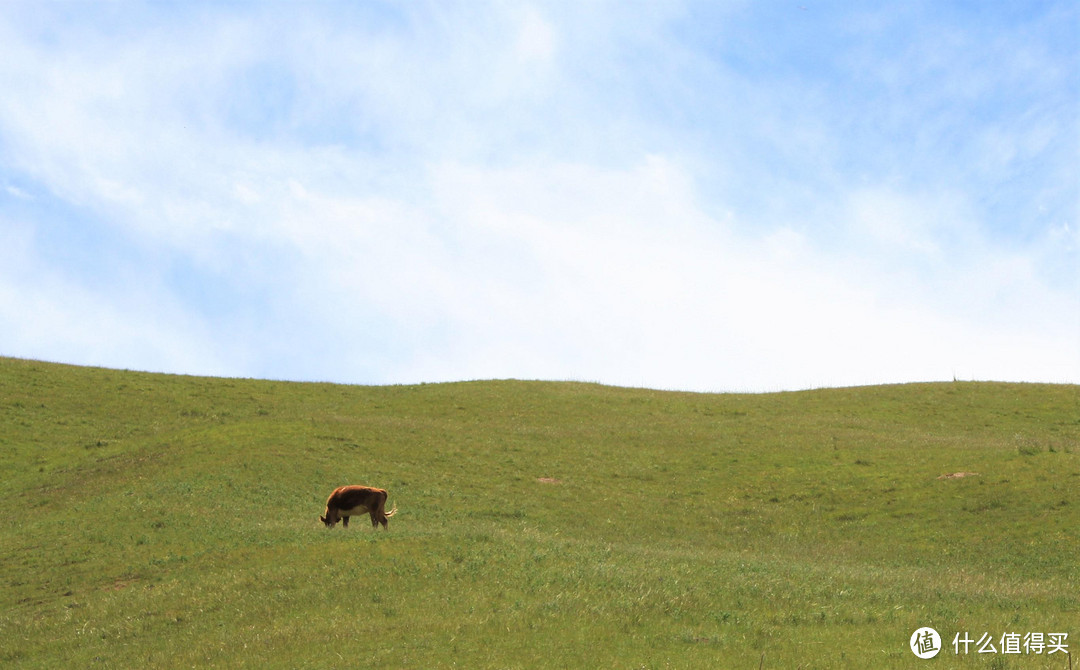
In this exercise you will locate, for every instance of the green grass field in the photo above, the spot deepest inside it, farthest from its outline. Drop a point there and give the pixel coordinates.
(161, 521)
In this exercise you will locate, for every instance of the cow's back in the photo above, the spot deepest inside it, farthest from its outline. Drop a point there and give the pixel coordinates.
(351, 497)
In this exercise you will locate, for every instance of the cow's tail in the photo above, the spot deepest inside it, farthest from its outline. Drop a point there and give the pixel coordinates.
(391, 512)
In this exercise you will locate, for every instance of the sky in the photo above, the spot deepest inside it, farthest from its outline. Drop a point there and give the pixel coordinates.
(704, 196)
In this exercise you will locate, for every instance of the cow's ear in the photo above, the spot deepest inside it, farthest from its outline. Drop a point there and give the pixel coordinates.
(323, 519)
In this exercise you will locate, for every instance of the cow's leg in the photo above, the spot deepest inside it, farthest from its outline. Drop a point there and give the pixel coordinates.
(344, 522)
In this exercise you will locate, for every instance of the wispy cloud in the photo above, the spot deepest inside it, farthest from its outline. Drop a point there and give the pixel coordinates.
(685, 196)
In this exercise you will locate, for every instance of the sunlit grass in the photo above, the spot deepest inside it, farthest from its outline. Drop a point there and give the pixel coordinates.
(157, 521)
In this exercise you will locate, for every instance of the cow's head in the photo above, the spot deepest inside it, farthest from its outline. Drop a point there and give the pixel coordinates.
(331, 518)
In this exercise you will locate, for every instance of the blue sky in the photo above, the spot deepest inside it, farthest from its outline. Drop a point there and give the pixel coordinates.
(713, 196)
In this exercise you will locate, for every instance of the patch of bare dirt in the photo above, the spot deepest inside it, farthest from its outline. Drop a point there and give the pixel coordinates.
(549, 480)
(958, 475)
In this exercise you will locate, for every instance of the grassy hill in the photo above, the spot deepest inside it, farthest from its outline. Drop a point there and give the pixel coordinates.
(163, 521)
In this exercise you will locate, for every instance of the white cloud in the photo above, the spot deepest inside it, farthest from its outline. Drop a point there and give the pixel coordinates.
(570, 271)
(528, 191)
(46, 315)
(17, 192)
(536, 42)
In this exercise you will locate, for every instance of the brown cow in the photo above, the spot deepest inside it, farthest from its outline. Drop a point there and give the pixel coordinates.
(348, 500)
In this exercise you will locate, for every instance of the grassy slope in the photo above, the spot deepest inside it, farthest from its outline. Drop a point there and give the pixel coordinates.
(162, 521)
